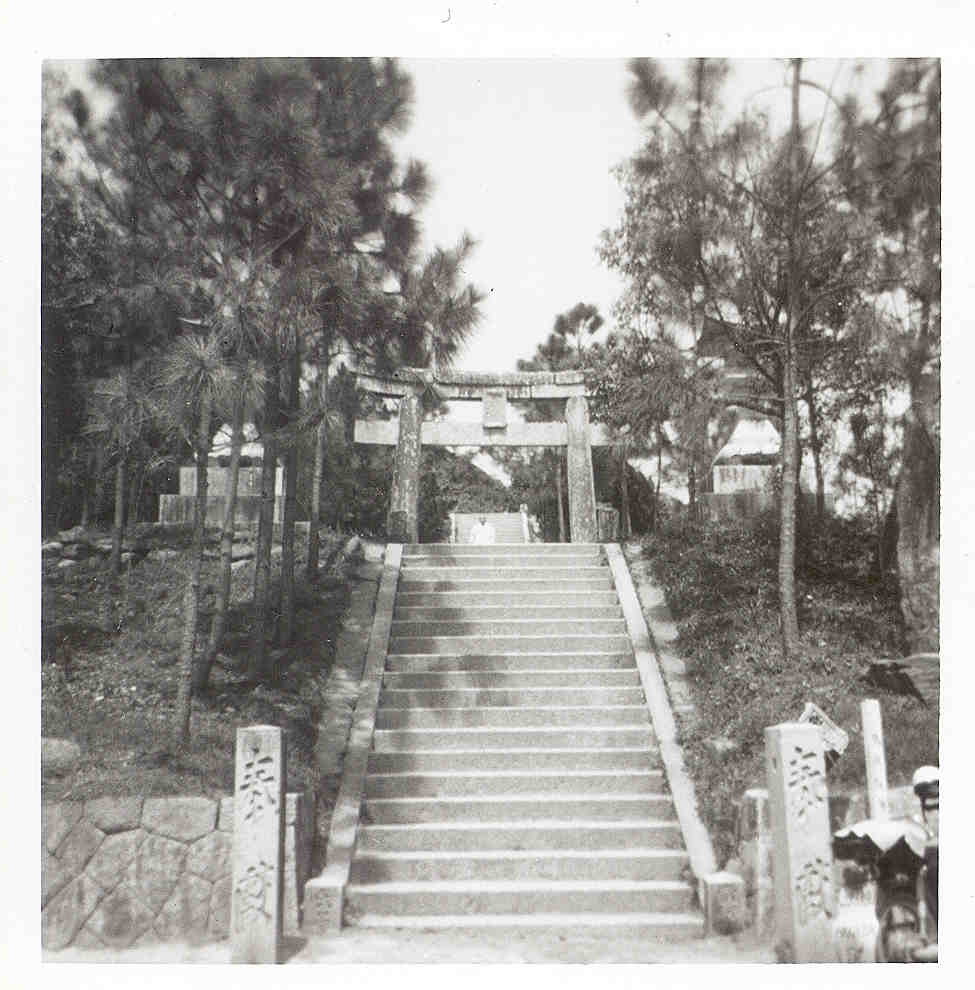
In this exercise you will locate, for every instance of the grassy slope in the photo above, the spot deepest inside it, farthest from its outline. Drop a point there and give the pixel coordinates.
(720, 583)
(110, 666)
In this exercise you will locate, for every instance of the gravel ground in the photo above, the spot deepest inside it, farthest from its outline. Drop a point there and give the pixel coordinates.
(399, 946)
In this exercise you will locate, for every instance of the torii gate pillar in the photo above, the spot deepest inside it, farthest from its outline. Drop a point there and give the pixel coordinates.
(582, 488)
(402, 523)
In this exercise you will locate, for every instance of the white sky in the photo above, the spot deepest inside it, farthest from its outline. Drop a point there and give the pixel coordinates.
(520, 153)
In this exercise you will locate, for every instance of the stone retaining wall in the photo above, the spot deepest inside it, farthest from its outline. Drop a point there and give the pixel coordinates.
(125, 871)
(175, 509)
(743, 506)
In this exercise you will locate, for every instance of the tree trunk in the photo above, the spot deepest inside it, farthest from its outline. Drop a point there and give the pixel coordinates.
(625, 525)
(135, 493)
(558, 494)
(318, 475)
(787, 509)
(918, 505)
(115, 561)
(290, 507)
(191, 602)
(787, 527)
(816, 445)
(656, 492)
(87, 488)
(265, 530)
(219, 623)
(101, 483)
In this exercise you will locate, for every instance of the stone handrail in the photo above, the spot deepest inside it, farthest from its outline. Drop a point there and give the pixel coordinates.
(324, 894)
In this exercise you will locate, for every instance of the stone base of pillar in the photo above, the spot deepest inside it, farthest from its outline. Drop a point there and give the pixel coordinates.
(322, 909)
(723, 898)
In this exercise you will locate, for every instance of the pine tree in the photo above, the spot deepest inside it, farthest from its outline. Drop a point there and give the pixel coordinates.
(750, 235)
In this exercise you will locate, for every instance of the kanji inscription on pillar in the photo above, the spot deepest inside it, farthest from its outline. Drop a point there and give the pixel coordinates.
(805, 782)
(252, 889)
(814, 890)
(257, 902)
(257, 784)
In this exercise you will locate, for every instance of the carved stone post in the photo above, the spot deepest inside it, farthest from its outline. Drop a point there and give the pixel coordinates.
(582, 489)
(876, 759)
(802, 850)
(257, 899)
(755, 850)
(402, 523)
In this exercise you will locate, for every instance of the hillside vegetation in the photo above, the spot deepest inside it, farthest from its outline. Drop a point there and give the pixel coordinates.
(109, 673)
(720, 583)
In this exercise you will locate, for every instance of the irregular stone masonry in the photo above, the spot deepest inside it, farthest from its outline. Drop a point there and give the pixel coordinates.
(122, 871)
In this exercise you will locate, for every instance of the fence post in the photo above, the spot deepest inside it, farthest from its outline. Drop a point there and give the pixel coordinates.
(257, 898)
(876, 759)
(802, 850)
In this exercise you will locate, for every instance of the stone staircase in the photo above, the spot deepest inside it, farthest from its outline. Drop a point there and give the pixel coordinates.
(514, 780)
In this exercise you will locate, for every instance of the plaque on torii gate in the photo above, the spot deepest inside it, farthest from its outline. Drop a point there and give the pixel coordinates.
(493, 390)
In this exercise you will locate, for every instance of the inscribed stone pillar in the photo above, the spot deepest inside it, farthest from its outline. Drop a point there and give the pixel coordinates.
(582, 489)
(402, 523)
(876, 759)
(802, 848)
(257, 901)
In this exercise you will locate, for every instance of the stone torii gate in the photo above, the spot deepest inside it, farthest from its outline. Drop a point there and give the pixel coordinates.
(493, 390)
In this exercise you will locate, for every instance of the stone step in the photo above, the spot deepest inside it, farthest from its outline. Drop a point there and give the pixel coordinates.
(507, 865)
(508, 782)
(518, 897)
(508, 627)
(536, 549)
(598, 642)
(474, 837)
(516, 558)
(475, 760)
(563, 715)
(494, 613)
(655, 926)
(579, 737)
(454, 662)
(560, 598)
(514, 781)
(451, 582)
(452, 680)
(517, 808)
(474, 697)
(501, 572)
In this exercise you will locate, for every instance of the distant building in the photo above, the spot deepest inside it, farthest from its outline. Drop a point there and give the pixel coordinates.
(181, 508)
(748, 460)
